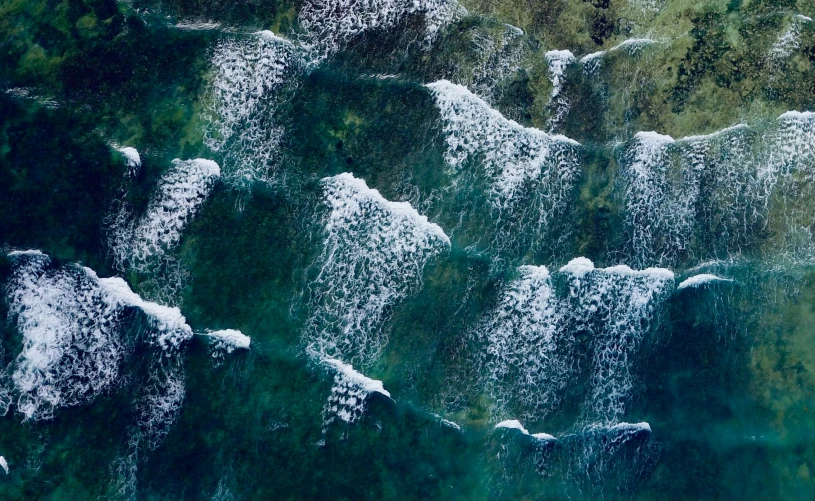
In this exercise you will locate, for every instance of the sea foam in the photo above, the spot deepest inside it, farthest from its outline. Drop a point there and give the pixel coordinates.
(77, 337)
(526, 355)
(530, 173)
(526, 345)
(558, 61)
(699, 280)
(253, 74)
(230, 339)
(330, 25)
(701, 195)
(617, 305)
(373, 256)
(790, 40)
(140, 243)
(349, 394)
(72, 326)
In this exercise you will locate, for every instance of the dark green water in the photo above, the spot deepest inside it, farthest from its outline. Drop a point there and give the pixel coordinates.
(483, 251)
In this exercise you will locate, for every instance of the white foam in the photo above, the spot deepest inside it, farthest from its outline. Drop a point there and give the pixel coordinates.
(180, 193)
(715, 134)
(591, 62)
(632, 427)
(526, 347)
(633, 45)
(580, 266)
(701, 279)
(74, 341)
(348, 399)
(712, 194)
(498, 60)
(132, 158)
(230, 338)
(558, 61)
(253, 74)
(512, 424)
(71, 350)
(192, 26)
(660, 205)
(790, 39)
(329, 25)
(4, 464)
(617, 449)
(170, 325)
(24, 253)
(161, 402)
(526, 341)
(617, 305)
(451, 424)
(528, 170)
(373, 256)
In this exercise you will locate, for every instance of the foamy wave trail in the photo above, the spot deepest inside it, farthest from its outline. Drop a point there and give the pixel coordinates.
(558, 61)
(329, 25)
(701, 280)
(373, 256)
(709, 194)
(349, 394)
(72, 325)
(531, 174)
(617, 305)
(71, 350)
(132, 159)
(699, 185)
(654, 217)
(498, 61)
(633, 46)
(253, 74)
(229, 339)
(790, 40)
(791, 150)
(527, 347)
(141, 244)
(601, 451)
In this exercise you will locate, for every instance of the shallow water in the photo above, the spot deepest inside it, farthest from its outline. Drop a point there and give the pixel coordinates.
(381, 249)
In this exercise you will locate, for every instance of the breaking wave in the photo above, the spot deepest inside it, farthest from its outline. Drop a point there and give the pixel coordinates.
(328, 26)
(790, 40)
(71, 350)
(617, 306)
(373, 256)
(526, 356)
(76, 331)
(252, 76)
(559, 61)
(349, 394)
(526, 346)
(145, 244)
(633, 46)
(703, 195)
(531, 174)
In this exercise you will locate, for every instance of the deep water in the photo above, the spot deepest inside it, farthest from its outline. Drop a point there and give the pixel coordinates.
(389, 249)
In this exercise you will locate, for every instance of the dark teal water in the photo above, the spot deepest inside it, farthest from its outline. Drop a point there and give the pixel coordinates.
(468, 266)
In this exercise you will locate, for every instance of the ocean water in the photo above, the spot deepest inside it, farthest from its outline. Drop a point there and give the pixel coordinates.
(390, 249)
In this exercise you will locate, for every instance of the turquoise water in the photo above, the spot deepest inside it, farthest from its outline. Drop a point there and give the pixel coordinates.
(407, 250)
